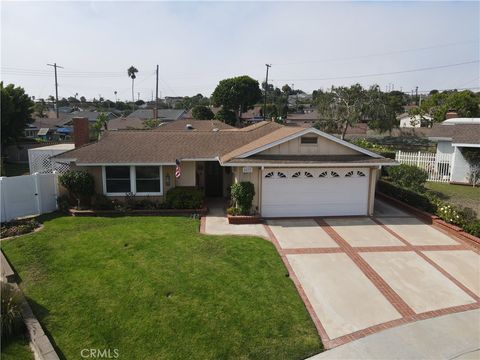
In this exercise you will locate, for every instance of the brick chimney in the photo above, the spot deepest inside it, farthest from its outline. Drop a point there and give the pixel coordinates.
(451, 114)
(81, 131)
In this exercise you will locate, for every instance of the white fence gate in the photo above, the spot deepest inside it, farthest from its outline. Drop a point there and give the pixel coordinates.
(28, 195)
(436, 165)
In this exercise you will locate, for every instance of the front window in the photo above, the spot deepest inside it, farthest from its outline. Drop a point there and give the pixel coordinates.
(148, 179)
(117, 179)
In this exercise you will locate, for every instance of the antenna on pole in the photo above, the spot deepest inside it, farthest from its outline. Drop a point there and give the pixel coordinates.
(55, 66)
(156, 97)
(266, 90)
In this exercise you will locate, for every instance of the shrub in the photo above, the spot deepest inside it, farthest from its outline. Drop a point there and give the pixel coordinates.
(102, 202)
(63, 203)
(18, 227)
(12, 322)
(421, 201)
(408, 176)
(184, 198)
(242, 196)
(473, 228)
(79, 183)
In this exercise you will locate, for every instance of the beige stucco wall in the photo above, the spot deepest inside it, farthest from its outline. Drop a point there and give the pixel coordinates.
(254, 178)
(188, 174)
(322, 147)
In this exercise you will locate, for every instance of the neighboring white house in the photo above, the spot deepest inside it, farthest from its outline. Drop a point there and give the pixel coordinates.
(452, 136)
(416, 121)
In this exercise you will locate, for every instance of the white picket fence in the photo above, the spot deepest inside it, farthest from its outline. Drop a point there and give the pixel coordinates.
(436, 165)
(28, 195)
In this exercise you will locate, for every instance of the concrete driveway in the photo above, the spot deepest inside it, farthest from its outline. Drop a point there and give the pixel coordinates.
(361, 275)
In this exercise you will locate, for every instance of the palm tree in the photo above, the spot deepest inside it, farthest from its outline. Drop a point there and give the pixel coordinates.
(132, 70)
(115, 92)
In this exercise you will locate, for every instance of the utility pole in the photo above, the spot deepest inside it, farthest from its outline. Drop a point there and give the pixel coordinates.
(416, 95)
(156, 97)
(138, 96)
(54, 65)
(266, 91)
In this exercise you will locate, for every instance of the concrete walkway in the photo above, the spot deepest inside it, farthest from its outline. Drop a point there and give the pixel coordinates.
(216, 223)
(453, 336)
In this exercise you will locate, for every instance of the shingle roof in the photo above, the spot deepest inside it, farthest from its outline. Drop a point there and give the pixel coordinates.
(146, 146)
(163, 114)
(458, 133)
(278, 134)
(124, 123)
(197, 125)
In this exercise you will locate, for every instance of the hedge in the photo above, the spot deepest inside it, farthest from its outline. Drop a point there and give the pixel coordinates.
(420, 201)
(464, 218)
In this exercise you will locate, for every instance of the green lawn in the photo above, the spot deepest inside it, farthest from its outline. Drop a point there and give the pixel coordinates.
(16, 349)
(460, 195)
(154, 288)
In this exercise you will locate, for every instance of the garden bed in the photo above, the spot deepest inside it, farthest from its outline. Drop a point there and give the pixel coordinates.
(244, 219)
(19, 227)
(154, 212)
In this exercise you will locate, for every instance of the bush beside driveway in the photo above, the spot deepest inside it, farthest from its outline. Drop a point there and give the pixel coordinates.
(155, 288)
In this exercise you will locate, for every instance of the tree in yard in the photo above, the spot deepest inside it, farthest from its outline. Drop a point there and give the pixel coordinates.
(341, 107)
(287, 90)
(40, 108)
(437, 104)
(16, 111)
(132, 70)
(151, 123)
(382, 108)
(227, 116)
(100, 124)
(237, 94)
(83, 99)
(200, 112)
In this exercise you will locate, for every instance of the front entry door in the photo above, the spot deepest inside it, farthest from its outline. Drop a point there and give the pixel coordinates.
(213, 179)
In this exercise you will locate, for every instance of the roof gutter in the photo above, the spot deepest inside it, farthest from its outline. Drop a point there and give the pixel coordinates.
(313, 164)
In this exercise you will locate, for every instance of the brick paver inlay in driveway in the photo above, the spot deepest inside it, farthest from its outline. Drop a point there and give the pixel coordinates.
(360, 275)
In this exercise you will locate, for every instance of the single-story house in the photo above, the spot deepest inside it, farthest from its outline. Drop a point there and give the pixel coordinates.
(414, 121)
(296, 171)
(452, 136)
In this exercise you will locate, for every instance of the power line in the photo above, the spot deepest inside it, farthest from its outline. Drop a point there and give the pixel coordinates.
(378, 54)
(384, 73)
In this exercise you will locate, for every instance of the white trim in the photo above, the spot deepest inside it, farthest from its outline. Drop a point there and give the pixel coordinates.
(466, 145)
(133, 182)
(304, 132)
(200, 159)
(318, 165)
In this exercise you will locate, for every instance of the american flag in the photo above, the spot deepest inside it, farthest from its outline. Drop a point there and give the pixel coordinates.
(178, 170)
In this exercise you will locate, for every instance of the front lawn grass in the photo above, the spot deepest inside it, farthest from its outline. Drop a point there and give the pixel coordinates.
(16, 349)
(459, 195)
(154, 288)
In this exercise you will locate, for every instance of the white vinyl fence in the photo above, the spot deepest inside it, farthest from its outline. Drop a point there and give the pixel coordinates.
(436, 165)
(28, 195)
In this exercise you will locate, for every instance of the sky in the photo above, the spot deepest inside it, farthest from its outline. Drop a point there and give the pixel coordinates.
(312, 45)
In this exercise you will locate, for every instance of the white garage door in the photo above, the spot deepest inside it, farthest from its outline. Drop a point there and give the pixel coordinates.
(314, 192)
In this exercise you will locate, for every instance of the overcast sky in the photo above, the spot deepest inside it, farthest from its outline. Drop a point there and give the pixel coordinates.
(309, 44)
